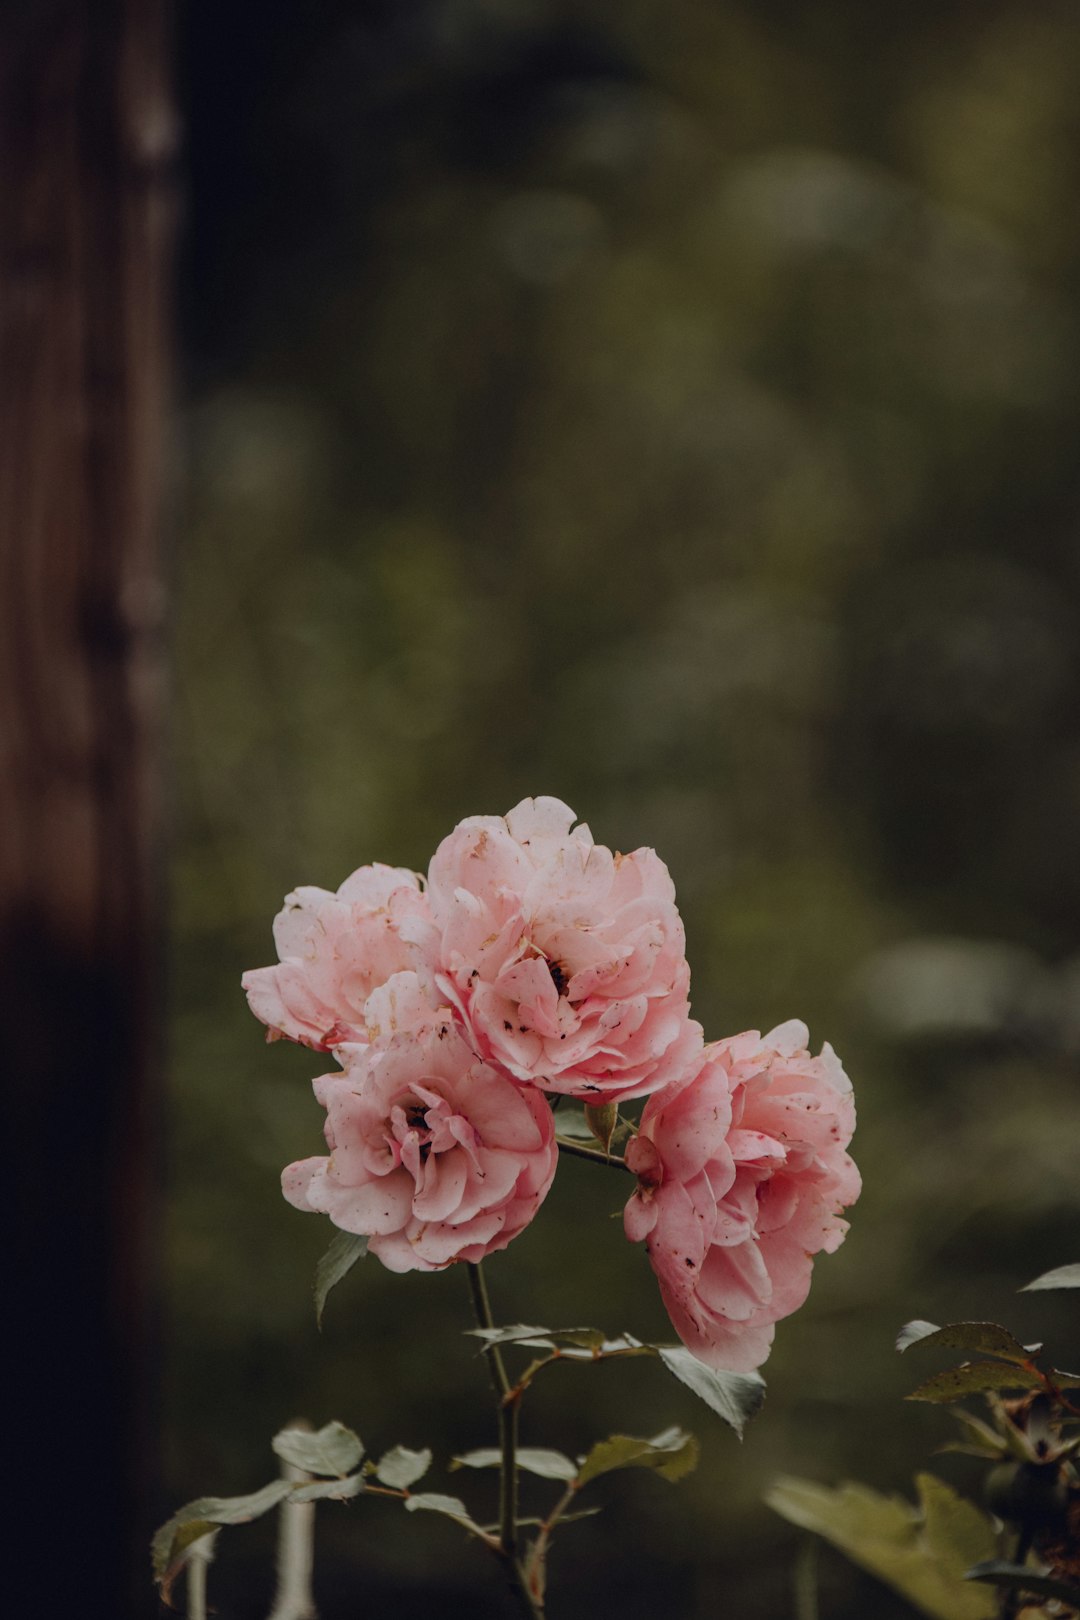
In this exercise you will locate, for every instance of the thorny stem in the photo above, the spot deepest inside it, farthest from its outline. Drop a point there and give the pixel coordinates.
(598, 1156)
(509, 1398)
(538, 1551)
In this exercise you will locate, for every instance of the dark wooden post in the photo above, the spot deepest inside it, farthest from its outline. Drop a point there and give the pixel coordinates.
(88, 141)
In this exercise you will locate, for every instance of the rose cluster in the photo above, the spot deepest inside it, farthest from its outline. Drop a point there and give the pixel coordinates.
(534, 964)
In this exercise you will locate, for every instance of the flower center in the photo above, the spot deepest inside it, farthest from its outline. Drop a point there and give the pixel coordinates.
(559, 977)
(416, 1119)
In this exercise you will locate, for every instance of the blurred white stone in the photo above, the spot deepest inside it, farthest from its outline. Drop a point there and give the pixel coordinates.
(952, 987)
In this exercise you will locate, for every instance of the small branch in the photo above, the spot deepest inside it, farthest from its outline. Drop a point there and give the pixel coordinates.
(579, 1151)
(531, 1371)
(534, 1564)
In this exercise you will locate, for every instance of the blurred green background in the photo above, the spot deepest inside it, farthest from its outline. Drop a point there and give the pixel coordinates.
(673, 408)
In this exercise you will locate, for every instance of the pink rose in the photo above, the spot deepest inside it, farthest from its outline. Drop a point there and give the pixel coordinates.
(566, 963)
(433, 1155)
(335, 949)
(742, 1172)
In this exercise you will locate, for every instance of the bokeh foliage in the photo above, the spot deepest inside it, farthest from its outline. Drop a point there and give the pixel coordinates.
(672, 408)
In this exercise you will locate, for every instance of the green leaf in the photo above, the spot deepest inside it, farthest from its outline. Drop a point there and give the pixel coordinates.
(581, 1338)
(672, 1454)
(982, 1441)
(535, 1521)
(923, 1552)
(1021, 1579)
(334, 1490)
(602, 1120)
(345, 1250)
(972, 1377)
(540, 1338)
(534, 1460)
(196, 1518)
(330, 1450)
(179, 1553)
(575, 1347)
(736, 1397)
(401, 1467)
(536, 1338)
(989, 1338)
(1060, 1277)
(574, 1125)
(451, 1507)
(1064, 1380)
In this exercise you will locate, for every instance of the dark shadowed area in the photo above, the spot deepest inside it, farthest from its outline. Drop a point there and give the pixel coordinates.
(672, 408)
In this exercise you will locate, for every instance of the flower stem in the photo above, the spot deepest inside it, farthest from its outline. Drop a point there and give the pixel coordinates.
(509, 1398)
(580, 1151)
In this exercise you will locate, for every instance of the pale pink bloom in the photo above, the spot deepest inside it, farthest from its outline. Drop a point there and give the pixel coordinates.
(335, 949)
(566, 963)
(742, 1171)
(434, 1156)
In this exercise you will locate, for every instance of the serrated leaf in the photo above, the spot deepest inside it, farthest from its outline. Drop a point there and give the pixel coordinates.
(433, 1502)
(401, 1467)
(333, 1449)
(534, 1460)
(183, 1548)
(204, 1513)
(736, 1397)
(969, 1379)
(1018, 1577)
(989, 1338)
(451, 1507)
(912, 1332)
(672, 1454)
(923, 1552)
(334, 1490)
(1060, 1277)
(344, 1251)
